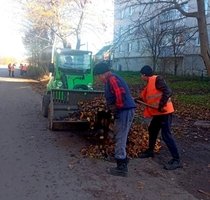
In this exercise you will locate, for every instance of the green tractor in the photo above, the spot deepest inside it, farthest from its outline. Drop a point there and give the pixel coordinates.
(71, 81)
(72, 69)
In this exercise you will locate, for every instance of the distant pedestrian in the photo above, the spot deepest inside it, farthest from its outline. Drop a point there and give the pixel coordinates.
(24, 69)
(13, 70)
(157, 94)
(9, 68)
(21, 69)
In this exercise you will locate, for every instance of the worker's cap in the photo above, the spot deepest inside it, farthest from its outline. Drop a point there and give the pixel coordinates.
(101, 68)
(146, 70)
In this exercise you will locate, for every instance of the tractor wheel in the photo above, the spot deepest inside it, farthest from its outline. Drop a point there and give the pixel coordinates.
(50, 118)
(45, 104)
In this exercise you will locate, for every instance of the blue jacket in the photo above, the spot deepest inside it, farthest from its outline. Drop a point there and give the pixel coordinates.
(118, 93)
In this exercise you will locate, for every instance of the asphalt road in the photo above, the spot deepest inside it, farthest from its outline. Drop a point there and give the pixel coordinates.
(37, 164)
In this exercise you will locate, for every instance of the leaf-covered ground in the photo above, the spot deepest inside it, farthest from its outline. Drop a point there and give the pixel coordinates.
(193, 141)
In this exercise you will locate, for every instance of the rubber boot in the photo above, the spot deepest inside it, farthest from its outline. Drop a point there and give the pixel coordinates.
(121, 169)
(173, 164)
(146, 154)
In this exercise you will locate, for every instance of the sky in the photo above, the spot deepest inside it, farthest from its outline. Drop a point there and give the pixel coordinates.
(10, 34)
(95, 41)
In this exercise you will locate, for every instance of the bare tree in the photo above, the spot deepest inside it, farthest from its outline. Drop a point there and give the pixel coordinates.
(64, 20)
(177, 36)
(153, 35)
(163, 6)
(47, 16)
(56, 23)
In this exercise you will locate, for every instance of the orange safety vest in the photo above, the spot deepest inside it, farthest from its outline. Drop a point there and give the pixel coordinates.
(152, 96)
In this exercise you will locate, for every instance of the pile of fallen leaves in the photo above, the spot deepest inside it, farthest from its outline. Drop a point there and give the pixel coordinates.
(89, 110)
(191, 111)
(104, 144)
(137, 142)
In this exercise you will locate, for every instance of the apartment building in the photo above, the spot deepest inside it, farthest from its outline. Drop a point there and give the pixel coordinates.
(168, 41)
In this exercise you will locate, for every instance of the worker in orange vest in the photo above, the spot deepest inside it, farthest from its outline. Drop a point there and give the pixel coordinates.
(157, 95)
(24, 69)
(13, 69)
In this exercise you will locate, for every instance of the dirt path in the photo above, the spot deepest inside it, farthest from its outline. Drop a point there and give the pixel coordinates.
(37, 164)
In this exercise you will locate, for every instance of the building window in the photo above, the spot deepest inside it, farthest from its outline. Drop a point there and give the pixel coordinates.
(138, 46)
(120, 31)
(120, 48)
(129, 29)
(122, 13)
(197, 41)
(179, 39)
(130, 10)
(129, 47)
(206, 6)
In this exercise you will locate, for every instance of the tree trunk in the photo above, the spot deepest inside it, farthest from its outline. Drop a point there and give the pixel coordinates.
(154, 61)
(175, 65)
(78, 44)
(203, 35)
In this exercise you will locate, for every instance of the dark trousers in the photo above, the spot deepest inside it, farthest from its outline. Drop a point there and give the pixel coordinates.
(163, 123)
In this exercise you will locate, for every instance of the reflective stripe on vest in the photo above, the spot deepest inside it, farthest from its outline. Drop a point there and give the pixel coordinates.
(152, 97)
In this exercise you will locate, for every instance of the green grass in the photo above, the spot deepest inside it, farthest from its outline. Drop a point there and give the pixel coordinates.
(191, 85)
(132, 78)
(199, 100)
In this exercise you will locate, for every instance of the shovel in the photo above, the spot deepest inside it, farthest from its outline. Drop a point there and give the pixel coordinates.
(148, 105)
(145, 104)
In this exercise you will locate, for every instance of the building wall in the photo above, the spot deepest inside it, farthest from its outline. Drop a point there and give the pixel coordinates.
(187, 65)
(129, 53)
(193, 65)
(130, 64)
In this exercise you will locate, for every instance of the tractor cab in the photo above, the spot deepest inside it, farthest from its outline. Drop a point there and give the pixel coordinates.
(71, 69)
